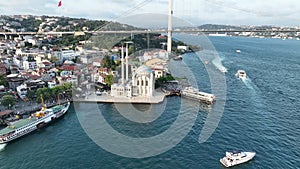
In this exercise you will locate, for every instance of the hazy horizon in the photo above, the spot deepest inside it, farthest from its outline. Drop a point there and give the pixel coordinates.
(194, 12)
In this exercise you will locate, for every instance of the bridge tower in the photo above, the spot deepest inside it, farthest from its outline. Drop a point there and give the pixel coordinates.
(169, 46)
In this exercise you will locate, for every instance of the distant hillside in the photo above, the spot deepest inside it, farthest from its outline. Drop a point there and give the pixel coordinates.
(21, 23)
(213, 26)
(230, 27)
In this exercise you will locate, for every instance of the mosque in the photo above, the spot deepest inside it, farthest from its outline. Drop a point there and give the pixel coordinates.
(141, 84)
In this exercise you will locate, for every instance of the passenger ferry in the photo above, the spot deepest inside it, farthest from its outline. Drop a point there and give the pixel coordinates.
(236, 157)
(193, 93)
(35, 121)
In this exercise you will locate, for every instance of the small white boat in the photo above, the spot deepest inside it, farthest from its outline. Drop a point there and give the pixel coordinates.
(236, 157)
(241, 74)
(223, 69)
(179, 57)
(238, 51)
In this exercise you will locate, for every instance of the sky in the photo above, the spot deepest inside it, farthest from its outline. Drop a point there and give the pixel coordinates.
(194, 12)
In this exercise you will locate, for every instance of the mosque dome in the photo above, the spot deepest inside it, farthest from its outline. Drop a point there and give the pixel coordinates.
(69, 62)
(143, 70)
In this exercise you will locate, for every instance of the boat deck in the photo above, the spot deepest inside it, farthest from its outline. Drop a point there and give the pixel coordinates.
(17, 124)
(56, 108)
(23, 122)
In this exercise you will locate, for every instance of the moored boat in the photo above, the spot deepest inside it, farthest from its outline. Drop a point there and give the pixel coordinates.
(193, 93)
(179, 57)
(236, 157)
(35, 121)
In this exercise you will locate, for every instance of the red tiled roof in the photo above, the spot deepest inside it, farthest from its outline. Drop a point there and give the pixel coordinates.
(68, 67)
(46, 63)
(5, 112)
(77, 73)
(34, 77)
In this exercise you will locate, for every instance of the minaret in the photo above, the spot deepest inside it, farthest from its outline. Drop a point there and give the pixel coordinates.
(122, 64)
(126, 61)
(169, 47)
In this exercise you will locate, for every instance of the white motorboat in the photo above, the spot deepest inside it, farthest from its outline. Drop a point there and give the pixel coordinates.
(223, 70)
(241, 74)
(238, 51)
(236, 157)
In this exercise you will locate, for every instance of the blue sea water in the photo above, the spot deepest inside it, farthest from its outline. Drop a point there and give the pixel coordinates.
(261, 114)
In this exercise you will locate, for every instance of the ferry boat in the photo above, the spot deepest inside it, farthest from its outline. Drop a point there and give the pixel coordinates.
(193, 93)
(236, 157)
(241, 74)
(35, 121)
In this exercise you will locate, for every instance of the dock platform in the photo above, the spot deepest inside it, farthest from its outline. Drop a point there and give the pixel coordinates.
(157, 97)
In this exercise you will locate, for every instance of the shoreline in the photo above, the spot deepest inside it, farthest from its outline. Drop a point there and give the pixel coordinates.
(158, 97)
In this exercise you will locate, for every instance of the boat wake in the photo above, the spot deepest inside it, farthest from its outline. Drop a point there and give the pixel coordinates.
(255, 93)
(250, 85)
(218, 64)
(2, 146)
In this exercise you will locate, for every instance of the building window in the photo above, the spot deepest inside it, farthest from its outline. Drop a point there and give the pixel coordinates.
(146, 82)
(142, 82)
(138, 82)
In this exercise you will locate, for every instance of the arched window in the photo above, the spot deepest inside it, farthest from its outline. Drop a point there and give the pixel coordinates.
(138, 82)
(142, 82)
(146, 82)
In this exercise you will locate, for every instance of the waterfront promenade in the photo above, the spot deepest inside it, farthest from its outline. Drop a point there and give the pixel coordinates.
(157, 97)
(26, 108)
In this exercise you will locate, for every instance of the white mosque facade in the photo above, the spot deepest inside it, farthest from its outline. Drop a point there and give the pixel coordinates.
(142, 83)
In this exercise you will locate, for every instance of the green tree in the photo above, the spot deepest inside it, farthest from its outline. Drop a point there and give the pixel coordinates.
(3, 81)
(8, 101)
(55, 91)
(31, 94)
(67, 86)
(107, 62)
(45, 92)
(164, 79)
(109, 79)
